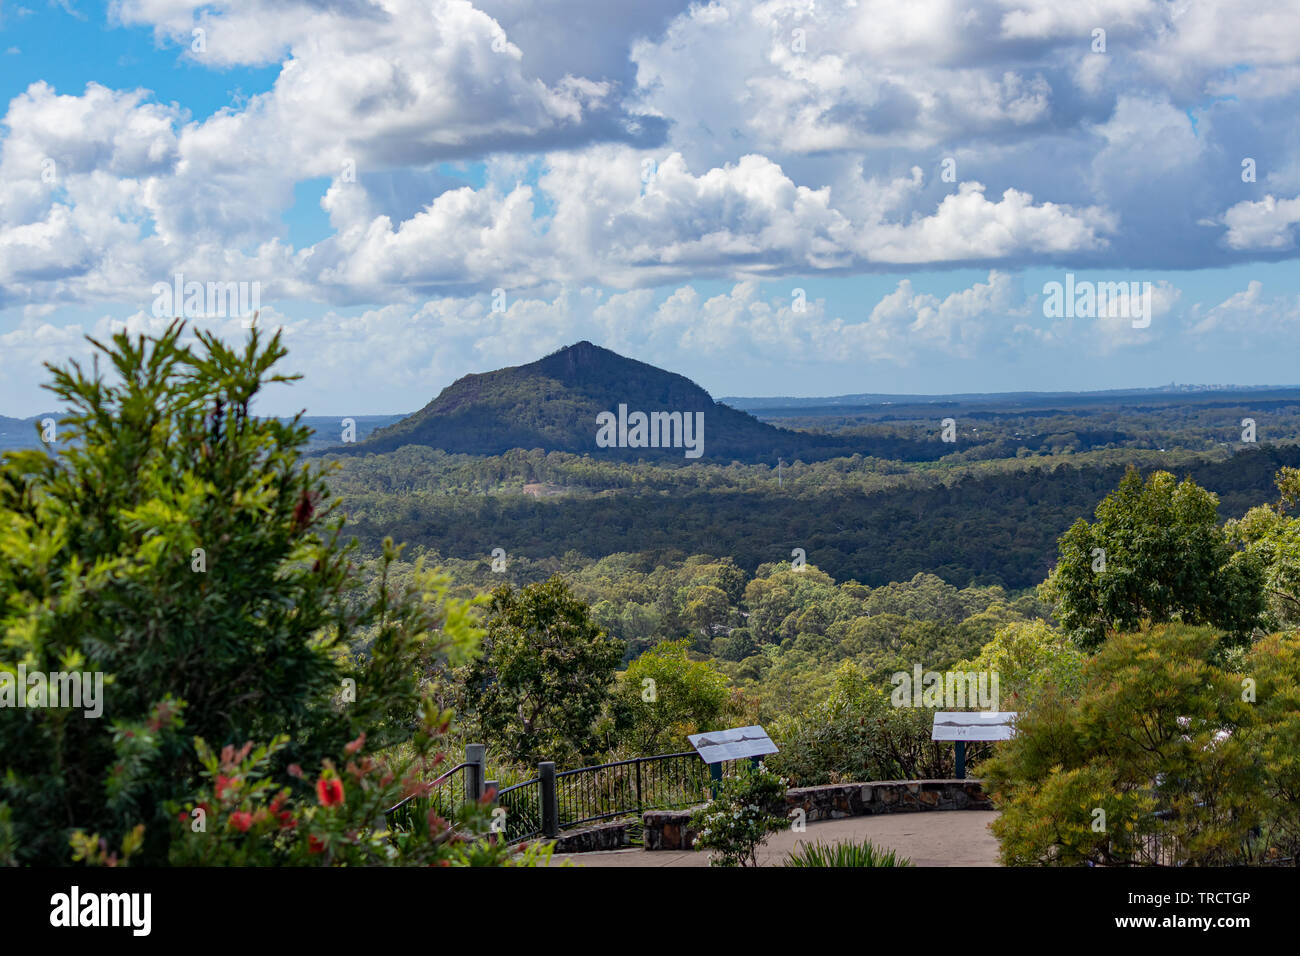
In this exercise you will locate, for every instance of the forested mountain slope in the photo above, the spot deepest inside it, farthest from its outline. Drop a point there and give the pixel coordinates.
(986, 528)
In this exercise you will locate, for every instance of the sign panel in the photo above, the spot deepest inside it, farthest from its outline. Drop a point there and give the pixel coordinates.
(973, 725)
(735, 744)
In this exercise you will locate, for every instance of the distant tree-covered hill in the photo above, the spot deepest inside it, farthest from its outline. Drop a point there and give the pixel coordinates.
(553, 404)
(18, 433)
(991, 527)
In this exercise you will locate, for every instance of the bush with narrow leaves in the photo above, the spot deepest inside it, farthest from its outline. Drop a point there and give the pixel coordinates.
(180, 546)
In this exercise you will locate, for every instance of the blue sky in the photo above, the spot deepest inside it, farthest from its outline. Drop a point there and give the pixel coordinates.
(772, 198)
(70, 46)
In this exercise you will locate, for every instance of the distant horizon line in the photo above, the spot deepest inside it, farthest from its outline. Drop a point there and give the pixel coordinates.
(1173, 388)
(859, 398)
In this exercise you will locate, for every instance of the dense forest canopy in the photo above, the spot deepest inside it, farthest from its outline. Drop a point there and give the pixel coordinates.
(597, 608)
(856, 518)
(880, 498)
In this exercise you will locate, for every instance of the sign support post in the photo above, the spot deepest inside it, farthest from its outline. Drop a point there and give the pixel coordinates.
(962, 725)
(719, 746)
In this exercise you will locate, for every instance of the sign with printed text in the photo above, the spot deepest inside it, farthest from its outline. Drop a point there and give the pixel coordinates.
(973, 725)
(734, 744)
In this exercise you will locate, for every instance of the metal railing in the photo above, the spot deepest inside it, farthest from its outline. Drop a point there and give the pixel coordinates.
(523, 805)
(445, 796)
(550, 802)
(1162, 845)
(605, 791)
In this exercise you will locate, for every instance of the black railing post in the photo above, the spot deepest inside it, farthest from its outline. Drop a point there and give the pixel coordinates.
(490, 787)
(476, 757)
(550, 809)
(638, 784)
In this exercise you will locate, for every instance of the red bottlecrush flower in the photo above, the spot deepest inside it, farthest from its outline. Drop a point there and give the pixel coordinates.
(241, 820)
(330, 791)
(314, 845)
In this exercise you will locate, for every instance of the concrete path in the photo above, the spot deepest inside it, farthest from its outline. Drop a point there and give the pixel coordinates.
(932, 838)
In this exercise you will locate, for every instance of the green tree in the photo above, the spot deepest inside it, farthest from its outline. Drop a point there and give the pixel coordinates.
(1029, 656)
(544, 677)
(1274, 665)
(1272, 535)
(706, 611)
(179, 547)
(665, 696)
(855, 733)
(1152, 761)
(1155, 554)
(779, 591)
(735, 646)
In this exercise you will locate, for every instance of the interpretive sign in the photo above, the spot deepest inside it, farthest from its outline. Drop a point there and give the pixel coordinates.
(960, 726)
(735, 744)
(973, 725)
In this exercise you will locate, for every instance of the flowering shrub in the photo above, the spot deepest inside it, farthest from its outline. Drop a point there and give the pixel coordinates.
(176, 546)
(244, 818)
(747, 807)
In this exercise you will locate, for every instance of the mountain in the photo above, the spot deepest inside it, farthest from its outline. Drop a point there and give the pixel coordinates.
(18, 433)
(553, 404)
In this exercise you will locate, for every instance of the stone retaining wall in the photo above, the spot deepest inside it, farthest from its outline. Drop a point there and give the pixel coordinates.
(837, 800)
(604, 836)
(669, 830)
